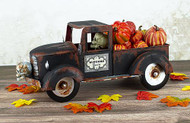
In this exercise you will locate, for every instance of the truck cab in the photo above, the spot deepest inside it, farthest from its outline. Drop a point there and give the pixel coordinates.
(59, 68)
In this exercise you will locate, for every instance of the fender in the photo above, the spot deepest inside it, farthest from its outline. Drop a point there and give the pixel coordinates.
(50, 79)
(141, 62)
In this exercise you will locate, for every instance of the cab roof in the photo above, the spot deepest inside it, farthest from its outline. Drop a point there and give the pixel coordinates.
(88, 23)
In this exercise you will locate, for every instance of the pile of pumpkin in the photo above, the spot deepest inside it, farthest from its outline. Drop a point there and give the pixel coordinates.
(125, 36)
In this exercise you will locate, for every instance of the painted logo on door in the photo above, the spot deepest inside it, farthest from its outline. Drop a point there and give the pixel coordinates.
(95, 63)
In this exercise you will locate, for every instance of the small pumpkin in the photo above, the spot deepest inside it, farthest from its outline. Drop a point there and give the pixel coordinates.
(126, 45)
(155, 36)
(137, 36)
(140, 44)
(121, 32)
(132, 27)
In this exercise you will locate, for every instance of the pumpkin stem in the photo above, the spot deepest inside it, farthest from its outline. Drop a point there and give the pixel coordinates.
(115, 29)
(123, 20)
(140, 28)
(157, 28)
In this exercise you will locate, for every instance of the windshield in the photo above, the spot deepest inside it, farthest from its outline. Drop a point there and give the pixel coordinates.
(76, 35)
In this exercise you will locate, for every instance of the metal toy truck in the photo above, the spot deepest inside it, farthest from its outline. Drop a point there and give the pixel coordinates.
(59, 68)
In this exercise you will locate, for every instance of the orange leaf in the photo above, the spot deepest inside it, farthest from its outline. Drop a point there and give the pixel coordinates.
(175, 101)
(143, 95)
(12, 87)
(100, 108)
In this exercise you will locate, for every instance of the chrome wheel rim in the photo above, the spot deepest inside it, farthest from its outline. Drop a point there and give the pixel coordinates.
(154, 74)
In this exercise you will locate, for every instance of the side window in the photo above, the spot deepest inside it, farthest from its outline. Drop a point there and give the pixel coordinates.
(97, 41)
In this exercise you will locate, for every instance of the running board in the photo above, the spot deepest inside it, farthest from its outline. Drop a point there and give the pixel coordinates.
(109, 78)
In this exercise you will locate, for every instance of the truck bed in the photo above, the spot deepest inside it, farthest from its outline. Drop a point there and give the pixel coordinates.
(122, 59)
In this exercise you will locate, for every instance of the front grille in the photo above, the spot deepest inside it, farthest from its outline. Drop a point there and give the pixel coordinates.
(35, 66)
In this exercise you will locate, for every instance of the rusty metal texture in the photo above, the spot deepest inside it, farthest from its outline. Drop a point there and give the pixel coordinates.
(52, 77)
(123, 60)
(64, 59)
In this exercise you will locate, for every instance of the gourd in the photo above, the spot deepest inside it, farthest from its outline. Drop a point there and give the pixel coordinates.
(155, 36)
(121, 32)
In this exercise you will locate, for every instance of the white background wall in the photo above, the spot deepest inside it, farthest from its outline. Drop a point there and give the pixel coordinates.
(26, 24)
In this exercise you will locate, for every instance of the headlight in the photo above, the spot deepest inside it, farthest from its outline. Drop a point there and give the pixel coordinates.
(35, 66)
(23, 69)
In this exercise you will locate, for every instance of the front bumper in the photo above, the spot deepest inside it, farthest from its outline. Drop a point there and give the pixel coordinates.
(34, 82)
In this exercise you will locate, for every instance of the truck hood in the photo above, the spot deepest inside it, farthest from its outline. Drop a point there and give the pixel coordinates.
(55, 48)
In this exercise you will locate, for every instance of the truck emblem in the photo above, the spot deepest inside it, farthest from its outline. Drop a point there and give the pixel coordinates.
(97, 62)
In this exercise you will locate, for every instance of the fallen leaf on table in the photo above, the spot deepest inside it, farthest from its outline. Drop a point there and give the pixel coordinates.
(75, 107)
(22, 86)
(107, 98)
(186, 88)
(22, 102)
(90, 107)
(100, 108)
(143, 95)
(30, 89)
(175, 101)
(12, 87)
(115, 97)
(178, 76)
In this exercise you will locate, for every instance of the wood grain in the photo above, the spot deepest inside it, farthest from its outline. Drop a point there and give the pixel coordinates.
(127, 109)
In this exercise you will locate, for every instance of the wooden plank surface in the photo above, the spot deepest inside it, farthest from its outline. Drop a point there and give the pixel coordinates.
(127, 109)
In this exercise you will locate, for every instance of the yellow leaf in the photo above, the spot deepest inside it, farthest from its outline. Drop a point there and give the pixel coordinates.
(104, 98)
(22, 102)
(115, 97)
(178, 74)
(186, 88)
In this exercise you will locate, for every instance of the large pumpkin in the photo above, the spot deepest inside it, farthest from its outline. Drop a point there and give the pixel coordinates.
(155, 36)
(121, 32)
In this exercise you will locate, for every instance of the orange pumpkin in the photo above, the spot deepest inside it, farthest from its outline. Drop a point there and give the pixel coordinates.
(126, 45)
(121, 32)
(155, 36)
(140, 44)
(137, 36)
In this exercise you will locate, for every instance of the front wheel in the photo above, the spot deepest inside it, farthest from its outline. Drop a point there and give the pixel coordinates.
(65, 89)
(154, 77)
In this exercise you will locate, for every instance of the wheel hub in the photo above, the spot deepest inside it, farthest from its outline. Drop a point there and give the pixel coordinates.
(64, 87)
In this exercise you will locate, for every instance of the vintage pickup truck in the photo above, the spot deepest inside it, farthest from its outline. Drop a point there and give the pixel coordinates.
(59, 68)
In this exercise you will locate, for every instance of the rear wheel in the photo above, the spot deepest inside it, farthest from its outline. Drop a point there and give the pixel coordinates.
(154, 77)
(65, 89)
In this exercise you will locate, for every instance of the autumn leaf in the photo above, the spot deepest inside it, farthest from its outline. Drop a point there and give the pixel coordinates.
(22, 102)
(22, 86)
(178, 76)
(143, 95)
(115, 97)
(100, 108)
(30, 89)
(90, 107)
(186, 88)
(12, 87)
(107, 98)
(75, 107)
(175, 101)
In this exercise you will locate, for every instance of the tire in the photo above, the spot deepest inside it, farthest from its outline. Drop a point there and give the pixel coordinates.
(66, 89)
(154, 76)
